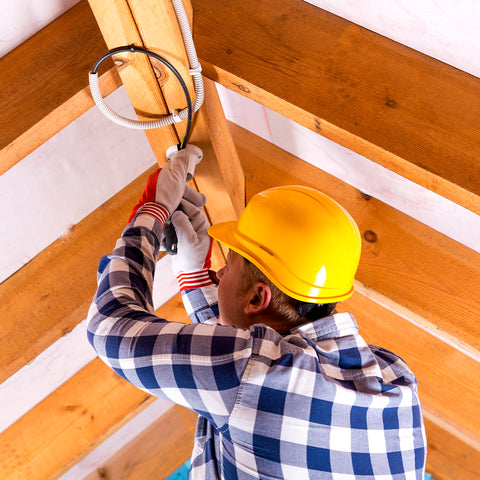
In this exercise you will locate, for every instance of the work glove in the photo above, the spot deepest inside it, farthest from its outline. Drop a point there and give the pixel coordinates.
(166, 185)
(173, 176)
(193, 260)
(148, 194)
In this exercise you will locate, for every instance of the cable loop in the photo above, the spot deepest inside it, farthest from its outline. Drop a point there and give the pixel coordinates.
(176, 116)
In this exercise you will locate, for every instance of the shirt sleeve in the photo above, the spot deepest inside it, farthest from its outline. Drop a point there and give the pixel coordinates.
(201, 304)
(198, 366)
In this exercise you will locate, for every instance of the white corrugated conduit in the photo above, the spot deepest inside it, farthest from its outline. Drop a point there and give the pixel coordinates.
(195, 72)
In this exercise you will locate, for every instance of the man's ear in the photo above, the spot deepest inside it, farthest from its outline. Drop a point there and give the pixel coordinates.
(259, 299)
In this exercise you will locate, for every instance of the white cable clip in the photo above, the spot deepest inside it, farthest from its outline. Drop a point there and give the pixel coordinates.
(176, 116)
(196, 71)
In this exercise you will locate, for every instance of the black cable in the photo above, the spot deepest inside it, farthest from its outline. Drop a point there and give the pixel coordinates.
(133, 48)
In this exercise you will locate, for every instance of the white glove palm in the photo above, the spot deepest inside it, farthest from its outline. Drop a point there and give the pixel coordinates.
(172, 178)
(191, 226)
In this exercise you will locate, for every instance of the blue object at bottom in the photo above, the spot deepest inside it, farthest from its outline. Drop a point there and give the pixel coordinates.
(181, 473)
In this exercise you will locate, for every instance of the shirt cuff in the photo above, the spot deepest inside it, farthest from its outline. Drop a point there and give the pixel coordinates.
(189, 280)
(155, 210)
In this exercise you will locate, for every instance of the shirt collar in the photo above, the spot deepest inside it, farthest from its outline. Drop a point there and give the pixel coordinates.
(334, 326)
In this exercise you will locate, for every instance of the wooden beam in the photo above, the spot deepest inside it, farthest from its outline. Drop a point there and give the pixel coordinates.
(78, 416)
(44, 83)
(224, 147)
(158, 28)
(157, 452)
(449, 457)
(138, 74)
(398, 107)
(404, 110)
(69, 423)
(153, 24)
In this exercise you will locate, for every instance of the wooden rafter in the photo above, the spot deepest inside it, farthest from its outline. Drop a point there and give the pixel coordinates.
(404, 110)
(152, 88)
(390, 103)
(49, 84)
(94, 412)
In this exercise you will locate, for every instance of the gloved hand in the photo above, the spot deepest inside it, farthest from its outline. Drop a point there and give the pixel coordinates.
(166, 185)
(173, 176)
(193, 259)
(148, 194)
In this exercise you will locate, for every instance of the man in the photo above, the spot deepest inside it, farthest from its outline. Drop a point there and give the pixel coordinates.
(284, 386)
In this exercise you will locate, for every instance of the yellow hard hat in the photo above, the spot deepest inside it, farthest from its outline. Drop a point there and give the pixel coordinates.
(302, 240)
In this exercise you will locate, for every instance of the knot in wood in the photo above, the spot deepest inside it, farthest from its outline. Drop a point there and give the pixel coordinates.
(370, 236)
(160, 71)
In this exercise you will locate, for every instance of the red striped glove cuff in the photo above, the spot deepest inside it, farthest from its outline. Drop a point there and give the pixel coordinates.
(155, 210)
(187, 280)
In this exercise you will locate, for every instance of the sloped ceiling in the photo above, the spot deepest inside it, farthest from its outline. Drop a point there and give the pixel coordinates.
(48, 193)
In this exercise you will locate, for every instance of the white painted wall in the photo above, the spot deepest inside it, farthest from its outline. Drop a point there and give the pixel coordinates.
(20, 19)
(91, 159)
(65, 179)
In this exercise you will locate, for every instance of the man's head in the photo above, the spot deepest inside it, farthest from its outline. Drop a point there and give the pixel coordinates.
(247, 296)
(298, 247)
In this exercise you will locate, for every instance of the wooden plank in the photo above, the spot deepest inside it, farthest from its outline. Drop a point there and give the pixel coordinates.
(125, 22)
(173, 309)
(159, 31)
(398, 107)
(118, 27)
(80, 414)
(69, 423)
(224, 147)
(209, 179)
(157, 452)
(210, 127)
(35, 307)
(449, 457)
(404, 260)
(411, 113)
(44, 83)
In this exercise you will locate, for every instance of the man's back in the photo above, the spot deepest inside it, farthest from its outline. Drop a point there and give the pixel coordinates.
(318, 403)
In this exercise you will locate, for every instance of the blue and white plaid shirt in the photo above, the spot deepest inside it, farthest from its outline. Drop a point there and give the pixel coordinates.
(316, 403)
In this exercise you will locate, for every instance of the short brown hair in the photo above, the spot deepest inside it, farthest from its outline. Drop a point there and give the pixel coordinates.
(284, 306)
